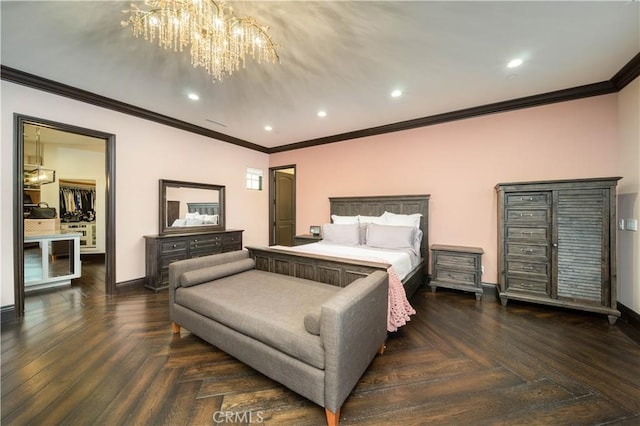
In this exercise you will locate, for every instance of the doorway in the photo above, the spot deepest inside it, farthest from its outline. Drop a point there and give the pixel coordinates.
(22, 151)
(282, 215)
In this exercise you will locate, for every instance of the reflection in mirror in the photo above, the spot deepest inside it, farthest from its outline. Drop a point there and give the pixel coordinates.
(189, 207)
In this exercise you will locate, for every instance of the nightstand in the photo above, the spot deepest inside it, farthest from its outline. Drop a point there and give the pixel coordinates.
(299, 240)
(457, 267)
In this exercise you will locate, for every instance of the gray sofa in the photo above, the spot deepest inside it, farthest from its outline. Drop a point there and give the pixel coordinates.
(313, 338)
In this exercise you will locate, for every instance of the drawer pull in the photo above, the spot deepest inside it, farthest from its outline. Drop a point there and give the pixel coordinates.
(526, 250)
(526, 232)
(174, 246)
(528, 268)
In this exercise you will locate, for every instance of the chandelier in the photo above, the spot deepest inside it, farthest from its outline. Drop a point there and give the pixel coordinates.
(217, 40)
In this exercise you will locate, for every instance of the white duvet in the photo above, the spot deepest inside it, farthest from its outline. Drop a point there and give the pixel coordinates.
(402, 261)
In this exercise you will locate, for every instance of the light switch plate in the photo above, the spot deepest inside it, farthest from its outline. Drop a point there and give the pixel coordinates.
(621, 224)
(631, 224)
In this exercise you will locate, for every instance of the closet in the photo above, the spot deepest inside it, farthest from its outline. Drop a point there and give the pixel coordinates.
(78, 211)
(557, 243)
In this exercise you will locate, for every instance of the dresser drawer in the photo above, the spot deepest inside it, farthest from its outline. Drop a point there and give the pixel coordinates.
(527, 233)
(169, 248)
(516, 284)
(235, 238)
(540, 269)
(538, 251)
(205, 243)
(527, 199)
(541, 215)
(456, 260)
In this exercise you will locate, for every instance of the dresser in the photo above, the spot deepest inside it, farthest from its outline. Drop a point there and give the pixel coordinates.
(162, 250)
(557, 243)
(457, 267)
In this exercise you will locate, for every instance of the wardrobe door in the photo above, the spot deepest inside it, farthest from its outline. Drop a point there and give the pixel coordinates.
(582, 224)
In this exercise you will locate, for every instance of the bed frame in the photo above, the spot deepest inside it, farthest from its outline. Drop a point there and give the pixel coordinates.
(340, 271)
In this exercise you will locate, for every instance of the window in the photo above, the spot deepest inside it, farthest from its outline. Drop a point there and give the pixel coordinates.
(254, 179)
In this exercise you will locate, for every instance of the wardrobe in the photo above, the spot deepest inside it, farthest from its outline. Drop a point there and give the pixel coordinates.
(557, 243)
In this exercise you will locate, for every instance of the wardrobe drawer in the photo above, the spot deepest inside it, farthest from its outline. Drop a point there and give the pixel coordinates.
(540, 269)
(527, 286)
(528, 199)
(528, 215)
(538, 251)
(527, 233)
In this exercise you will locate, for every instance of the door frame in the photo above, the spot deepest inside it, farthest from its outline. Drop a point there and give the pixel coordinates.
(272, 199)
(19, 120)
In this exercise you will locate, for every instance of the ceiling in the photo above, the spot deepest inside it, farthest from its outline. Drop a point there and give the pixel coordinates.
(344, 57)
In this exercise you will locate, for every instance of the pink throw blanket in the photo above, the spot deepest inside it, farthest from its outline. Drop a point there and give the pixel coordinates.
(399, 308)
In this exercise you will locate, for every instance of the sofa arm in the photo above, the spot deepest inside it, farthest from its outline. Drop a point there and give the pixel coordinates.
(176, 269)
(353, 327)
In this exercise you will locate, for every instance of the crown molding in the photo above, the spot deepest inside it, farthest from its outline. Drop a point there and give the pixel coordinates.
(589, 90)
(622, 78)
(50, 86)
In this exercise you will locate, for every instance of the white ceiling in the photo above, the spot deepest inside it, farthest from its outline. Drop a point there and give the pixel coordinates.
(342, 56)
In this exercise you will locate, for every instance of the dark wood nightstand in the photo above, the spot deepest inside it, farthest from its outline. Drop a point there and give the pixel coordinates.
(457, 267)
(299, 240)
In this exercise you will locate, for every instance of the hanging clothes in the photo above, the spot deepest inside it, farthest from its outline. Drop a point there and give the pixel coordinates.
(77, 204)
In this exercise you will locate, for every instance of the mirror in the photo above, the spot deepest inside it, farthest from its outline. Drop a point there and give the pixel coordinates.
(189, 207)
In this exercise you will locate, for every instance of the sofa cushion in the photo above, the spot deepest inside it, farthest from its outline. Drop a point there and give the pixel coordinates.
(251, 303)
(312, 322)
(211, 273)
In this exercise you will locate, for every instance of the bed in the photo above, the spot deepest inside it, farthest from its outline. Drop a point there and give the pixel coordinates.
(198, 214)
(340, 269)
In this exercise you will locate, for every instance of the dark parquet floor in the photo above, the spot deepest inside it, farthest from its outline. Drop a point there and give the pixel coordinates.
(80, 357)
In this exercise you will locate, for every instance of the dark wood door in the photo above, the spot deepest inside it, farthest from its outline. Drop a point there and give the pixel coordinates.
(284, 208)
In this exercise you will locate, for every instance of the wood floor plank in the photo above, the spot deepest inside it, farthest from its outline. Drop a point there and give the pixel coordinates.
(81, 357)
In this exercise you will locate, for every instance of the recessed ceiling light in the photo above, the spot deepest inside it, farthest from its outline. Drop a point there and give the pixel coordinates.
(193, 96)
(322, 113)
(514, 63)
(396, 93)
(268, 128)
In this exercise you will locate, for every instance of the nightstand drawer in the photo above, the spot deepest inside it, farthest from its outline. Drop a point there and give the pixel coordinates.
(458, 277)
(456, 260)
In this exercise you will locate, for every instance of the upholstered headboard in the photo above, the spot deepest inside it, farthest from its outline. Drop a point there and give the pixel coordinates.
(377, 205)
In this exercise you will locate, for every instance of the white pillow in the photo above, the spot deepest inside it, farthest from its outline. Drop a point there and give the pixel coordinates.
(210, 219)
(179, 222)
(371, 219)
(391, 236)
(344, 220)
(402, 219)
(194, 215)
(348, 234)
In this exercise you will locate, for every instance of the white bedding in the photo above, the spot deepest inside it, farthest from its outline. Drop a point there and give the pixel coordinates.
(403, 261)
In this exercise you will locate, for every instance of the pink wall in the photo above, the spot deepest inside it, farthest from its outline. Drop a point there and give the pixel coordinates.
(459, 163)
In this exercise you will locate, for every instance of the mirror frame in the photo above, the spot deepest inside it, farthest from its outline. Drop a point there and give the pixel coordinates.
(164, 229)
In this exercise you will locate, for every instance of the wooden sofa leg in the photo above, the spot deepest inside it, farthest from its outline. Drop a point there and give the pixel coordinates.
(175, 328)
(332, 418)
(381, 349)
